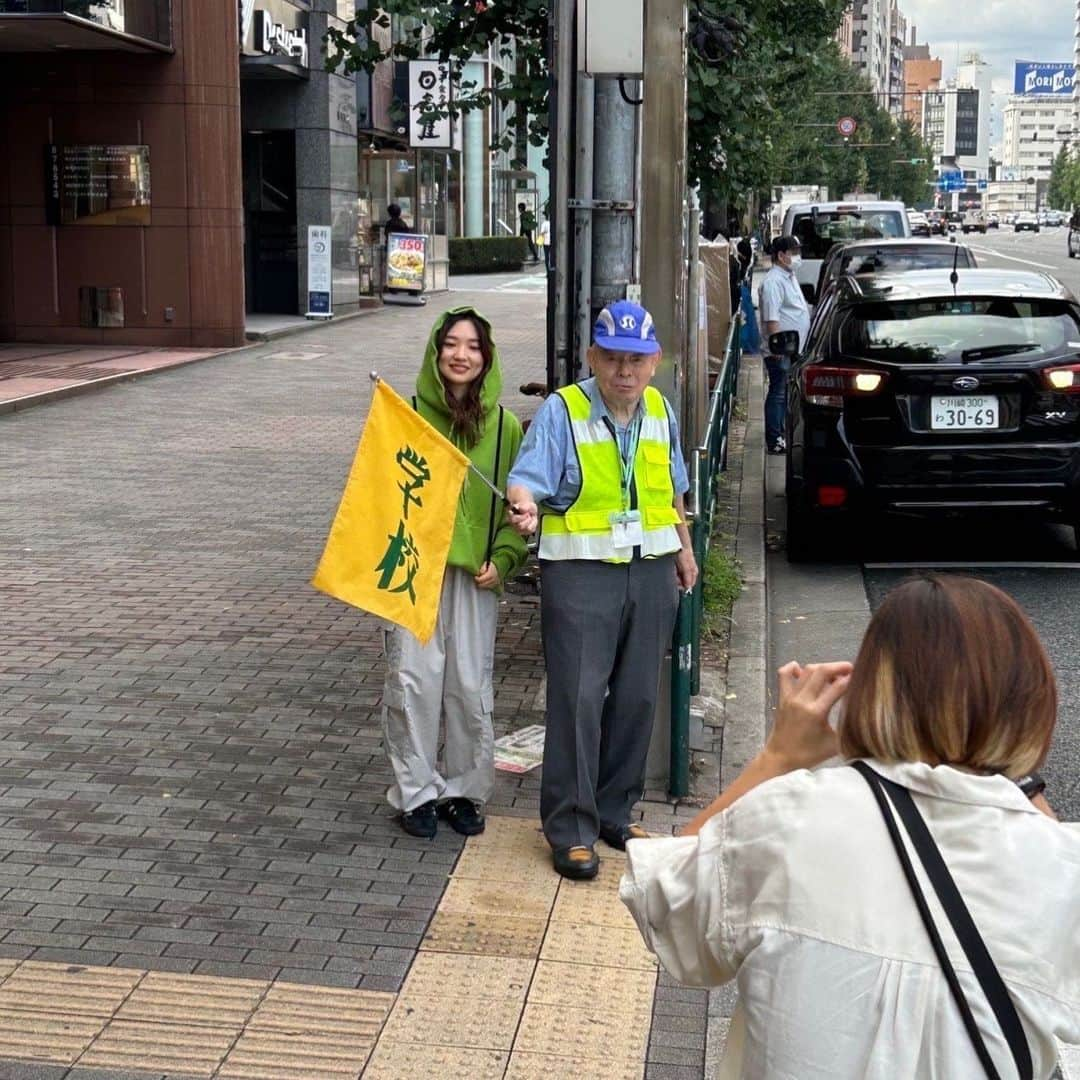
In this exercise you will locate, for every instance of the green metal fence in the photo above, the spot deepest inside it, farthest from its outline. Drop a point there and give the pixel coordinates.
(707, 462)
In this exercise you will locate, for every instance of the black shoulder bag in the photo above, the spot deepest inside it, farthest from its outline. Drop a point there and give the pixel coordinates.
(982, 964)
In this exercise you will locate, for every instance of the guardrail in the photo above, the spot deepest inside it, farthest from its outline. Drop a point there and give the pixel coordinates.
(708, 461)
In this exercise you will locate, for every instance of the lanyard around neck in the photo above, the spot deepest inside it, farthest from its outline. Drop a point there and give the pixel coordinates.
(626, 463)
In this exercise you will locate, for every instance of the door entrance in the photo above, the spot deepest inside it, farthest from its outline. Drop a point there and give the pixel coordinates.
(271, 271)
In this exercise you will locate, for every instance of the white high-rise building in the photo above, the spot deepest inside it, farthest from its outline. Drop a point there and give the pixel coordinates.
(1031, 141)
(956, 120)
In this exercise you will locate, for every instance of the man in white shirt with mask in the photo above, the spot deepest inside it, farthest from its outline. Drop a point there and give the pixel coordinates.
(782, 307)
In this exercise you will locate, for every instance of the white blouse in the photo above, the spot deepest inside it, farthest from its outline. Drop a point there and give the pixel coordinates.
(796, 892)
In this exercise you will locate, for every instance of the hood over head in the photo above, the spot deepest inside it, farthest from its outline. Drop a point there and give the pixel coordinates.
(430, 388)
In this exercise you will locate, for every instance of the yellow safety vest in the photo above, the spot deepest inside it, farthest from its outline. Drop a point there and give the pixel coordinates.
(584, 530)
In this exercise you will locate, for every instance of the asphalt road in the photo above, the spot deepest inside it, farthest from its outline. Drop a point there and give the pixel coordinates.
(1043, 251)
(820, 609)
(1051, 598)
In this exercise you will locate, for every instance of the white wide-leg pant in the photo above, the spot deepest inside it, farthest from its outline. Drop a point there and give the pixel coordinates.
(448, 679)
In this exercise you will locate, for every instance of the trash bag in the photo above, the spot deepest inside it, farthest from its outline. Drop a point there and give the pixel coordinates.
(750, 337)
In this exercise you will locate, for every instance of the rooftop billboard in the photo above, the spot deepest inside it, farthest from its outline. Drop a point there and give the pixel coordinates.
(1034, 77)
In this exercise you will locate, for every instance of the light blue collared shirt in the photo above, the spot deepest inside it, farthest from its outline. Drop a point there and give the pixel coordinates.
(547, 463)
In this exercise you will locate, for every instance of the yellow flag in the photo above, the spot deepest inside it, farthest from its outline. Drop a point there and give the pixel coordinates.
(387, 548)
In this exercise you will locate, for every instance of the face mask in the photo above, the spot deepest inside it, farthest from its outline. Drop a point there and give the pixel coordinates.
(796, 261)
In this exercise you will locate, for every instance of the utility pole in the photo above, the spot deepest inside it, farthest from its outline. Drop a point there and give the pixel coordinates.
(663, 189)
(594, 164)
(564, 71)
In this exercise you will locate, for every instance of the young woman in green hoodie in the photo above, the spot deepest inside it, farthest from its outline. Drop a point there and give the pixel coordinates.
(449, 678)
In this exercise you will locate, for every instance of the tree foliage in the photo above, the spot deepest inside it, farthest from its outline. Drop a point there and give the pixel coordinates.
(766, 84)
(455, 31)
(1064, 190)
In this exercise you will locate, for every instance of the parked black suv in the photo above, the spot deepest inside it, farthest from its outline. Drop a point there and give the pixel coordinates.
(924, 391)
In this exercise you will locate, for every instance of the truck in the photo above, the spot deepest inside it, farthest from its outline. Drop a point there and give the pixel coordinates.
(786, 195)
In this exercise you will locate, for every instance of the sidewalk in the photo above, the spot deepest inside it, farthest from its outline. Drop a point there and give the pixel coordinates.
(200, 874)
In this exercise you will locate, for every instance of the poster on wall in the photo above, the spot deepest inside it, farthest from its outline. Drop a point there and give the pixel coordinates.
(319, 272)
(406, 261)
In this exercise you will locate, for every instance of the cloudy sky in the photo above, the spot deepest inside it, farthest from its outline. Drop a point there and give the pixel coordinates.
(1001, 31)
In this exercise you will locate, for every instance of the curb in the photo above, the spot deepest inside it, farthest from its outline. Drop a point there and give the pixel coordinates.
(260, 337)
(746, 700)
(77, 389)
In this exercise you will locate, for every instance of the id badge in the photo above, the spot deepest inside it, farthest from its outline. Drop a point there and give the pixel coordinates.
(626, 530)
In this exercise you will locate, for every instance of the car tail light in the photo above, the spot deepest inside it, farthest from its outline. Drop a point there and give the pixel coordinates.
(830, 385)
(831, 495)
(1063, 379)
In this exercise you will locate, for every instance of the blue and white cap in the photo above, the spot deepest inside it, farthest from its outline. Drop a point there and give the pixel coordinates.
(625, 327)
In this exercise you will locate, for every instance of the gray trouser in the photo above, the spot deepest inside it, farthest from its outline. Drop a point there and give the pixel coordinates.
(606, 628)
(448, 679)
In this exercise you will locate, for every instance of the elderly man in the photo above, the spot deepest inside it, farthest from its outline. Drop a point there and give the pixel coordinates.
(600, 473)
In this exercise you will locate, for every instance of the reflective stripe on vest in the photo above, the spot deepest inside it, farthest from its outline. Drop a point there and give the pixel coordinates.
(584, 530)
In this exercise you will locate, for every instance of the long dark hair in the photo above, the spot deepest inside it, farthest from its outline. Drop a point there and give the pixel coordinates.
(467, 412)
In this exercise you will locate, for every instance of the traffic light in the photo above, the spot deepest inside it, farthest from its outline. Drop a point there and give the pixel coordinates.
(917, 161)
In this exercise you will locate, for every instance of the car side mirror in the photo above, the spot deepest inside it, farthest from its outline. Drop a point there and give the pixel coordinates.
(784, 343)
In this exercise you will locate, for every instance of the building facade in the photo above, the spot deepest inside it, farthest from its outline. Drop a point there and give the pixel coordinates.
(166, 158)
(121, 219)
(922, 72)
(897, 33)
(1030, 140)
(956, 121)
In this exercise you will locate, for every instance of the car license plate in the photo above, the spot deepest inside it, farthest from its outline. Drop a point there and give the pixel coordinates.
(967, 413)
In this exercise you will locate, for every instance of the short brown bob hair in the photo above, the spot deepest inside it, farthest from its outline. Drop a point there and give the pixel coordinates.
(951, 672)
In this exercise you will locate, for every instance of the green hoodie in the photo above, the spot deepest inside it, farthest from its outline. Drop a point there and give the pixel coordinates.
(468, 547)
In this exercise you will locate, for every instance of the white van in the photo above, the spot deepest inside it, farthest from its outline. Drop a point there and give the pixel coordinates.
(819, 226)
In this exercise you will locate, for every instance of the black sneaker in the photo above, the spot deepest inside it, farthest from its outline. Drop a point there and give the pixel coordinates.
(422, 822)
(463, 815)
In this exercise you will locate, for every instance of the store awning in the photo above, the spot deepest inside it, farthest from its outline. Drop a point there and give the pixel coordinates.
(51, 31)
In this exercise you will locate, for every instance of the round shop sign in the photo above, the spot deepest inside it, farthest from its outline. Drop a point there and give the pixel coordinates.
(846, 126)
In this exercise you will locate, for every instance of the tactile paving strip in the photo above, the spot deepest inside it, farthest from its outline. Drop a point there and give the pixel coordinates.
(192, 1000)
(441, 1021)
(413, 1061)
(581, 902)
(557, 1031)
(485, 935)
(520, 899)
(162, 1048)
(264, 1055)
(32, 1036)
(477, 976)
(580, 986)
(598, 946)
(512, 866)
(291, 1007)
(67, 989)
(543, 1067)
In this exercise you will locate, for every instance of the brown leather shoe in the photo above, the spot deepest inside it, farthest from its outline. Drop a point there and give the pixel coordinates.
(617, 837)
(578, 863)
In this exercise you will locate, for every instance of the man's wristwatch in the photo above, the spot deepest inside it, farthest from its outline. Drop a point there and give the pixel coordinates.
(1032, 784)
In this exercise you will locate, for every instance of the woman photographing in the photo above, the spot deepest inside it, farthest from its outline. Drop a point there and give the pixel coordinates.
(817, 889)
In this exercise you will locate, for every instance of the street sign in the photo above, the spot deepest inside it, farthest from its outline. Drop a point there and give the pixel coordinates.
(320, 274)
(847, 126)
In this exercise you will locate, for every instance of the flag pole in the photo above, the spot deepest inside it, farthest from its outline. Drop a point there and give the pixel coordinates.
(374, 376)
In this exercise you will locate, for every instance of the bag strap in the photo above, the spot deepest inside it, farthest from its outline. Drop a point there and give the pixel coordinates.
(967, 933)
(495, 481)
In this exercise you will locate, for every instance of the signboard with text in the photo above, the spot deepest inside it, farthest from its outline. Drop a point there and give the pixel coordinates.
(1033, 77)
(406, 261)
(319, 272)
(97, 185)
(429, 88)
